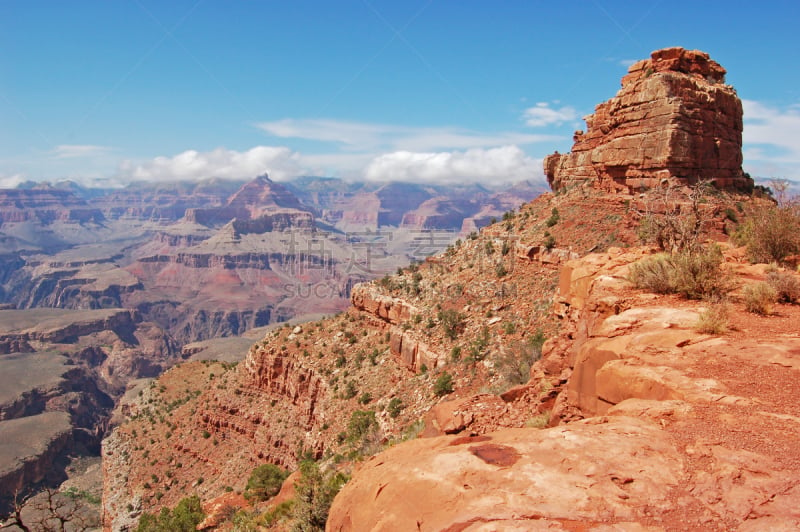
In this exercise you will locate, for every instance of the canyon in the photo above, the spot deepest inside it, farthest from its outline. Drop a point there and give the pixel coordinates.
(99, 288)
(519, 380)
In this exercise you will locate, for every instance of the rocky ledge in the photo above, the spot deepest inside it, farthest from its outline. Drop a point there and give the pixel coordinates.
(661, 427)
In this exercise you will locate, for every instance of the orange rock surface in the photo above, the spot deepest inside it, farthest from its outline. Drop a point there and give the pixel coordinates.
(673, 118)
(670, 429)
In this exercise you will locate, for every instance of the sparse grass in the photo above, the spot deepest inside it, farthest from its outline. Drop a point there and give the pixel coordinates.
(539, 421)
(759, 298)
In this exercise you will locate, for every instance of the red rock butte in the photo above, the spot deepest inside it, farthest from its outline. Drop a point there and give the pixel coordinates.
(673, 118)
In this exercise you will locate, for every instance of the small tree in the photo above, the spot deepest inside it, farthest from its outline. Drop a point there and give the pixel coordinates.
(265, 482)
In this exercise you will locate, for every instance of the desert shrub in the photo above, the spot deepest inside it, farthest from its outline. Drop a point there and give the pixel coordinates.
(515, 364)
(549, 241)
(361, 424)
(443, 385)
(771, 234)
(315, 492)
(554, 218)
(265, 482)
(350, 390)
(477, 350)
(694, 274)
(786, 285)
(185, 517)
(653, 274)
(365, 398)
(699, 274)
(452, 322)
(455, 353)
(395, 407)
(759, 298)
(714, 320)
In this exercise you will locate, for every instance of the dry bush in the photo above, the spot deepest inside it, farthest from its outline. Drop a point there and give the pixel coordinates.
(771, 234)
(699, 274)
(714, 320)
(674, 216)
(786, 285)
(653, 274)
(759, 298)
(695, 274)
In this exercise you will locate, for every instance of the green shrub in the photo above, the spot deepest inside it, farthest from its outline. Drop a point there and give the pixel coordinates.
(477, 350)
(653, 274)
(350, 390)
(554, 218)
(361, 424)
(549, 241)
(452, 322)
(759, 298)
(443, 385)
(395, 407)
(699, 274)
(185, 517)
(455, 353)
(315, 493)
(265, 482)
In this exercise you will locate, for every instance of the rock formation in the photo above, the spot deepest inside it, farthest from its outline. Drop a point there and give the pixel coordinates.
(669, 427)
(673, 118)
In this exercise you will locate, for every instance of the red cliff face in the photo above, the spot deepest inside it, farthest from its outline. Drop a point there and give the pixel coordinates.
(673, 118)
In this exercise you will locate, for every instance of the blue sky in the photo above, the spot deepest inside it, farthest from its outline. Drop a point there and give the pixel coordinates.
(427, 90)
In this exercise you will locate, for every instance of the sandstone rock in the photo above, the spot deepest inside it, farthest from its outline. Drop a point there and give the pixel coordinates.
(391, 309)
(673, 118)
(519, 477)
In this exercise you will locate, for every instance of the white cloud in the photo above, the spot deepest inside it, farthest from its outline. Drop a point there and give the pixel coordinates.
(503, 164)
(366, 137)
(771, 140)
(779, 128)
(542, 115)
(11, 181)
(68, 151)
(279, 162)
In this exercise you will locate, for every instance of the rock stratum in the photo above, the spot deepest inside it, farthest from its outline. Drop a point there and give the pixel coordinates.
(673, 118)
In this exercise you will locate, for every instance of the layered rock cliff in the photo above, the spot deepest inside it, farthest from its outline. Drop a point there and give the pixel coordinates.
(673, 118)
